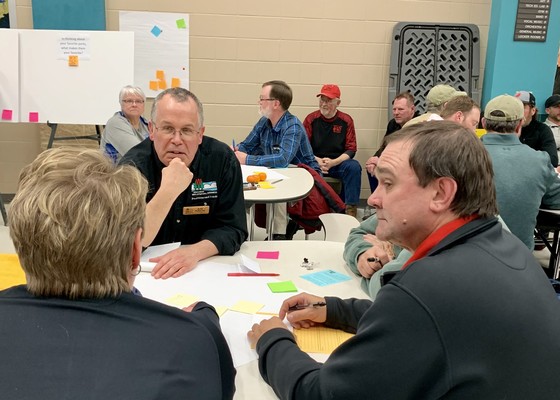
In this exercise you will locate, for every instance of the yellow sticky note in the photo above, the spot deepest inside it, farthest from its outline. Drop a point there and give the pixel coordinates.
(175, 82)
(265, 185)
(319, 339)
(162, 84)
(220, 310)
(159, 74)
(73, 61)
(247, 307)
(480, 132)
(181, 300)
(153, 85)
(11, 273)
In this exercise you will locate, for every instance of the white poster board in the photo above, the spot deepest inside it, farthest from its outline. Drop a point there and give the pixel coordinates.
(161, 49)
(9, 76)
(52, 90)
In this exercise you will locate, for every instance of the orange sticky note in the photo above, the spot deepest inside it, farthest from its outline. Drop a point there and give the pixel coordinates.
(159, 74)
(153, 85)
(175, 82)
(162, 84)
(73, 61)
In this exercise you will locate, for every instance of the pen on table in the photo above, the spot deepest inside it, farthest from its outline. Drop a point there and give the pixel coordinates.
(251, 274)
(304, 306)
(276, 181)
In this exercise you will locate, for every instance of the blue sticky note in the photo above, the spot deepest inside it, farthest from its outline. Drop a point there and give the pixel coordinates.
(156, 31)
(324, 278)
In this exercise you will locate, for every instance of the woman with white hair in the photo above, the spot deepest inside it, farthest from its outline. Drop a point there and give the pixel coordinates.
(127, 127)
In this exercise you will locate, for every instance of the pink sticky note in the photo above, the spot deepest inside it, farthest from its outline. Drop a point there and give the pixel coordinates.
(6, 115)
(268, 255)
(33, 117)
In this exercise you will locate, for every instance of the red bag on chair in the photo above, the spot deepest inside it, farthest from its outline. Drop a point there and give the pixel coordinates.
(320, 200)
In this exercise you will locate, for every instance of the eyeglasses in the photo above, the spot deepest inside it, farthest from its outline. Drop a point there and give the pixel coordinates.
(130, 101)
(270, 99)
(168, 130)
(326, 100)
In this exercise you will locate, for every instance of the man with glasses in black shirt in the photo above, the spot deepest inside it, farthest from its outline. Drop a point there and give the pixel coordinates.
(195, 191)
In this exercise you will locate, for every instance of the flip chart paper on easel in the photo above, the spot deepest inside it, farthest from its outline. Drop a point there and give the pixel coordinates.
(161, 43)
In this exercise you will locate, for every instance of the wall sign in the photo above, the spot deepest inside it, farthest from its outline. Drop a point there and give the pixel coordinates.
(531, 24)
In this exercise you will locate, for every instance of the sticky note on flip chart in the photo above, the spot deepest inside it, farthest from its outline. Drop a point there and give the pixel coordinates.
(162, 84)
(181, 24)
(7, 115)
(156, 31)
(73, 61)
(153, 85)
(175, 82)
(33, 117)
(160, 74)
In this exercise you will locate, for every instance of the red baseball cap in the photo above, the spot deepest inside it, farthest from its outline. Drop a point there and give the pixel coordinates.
(331, 91)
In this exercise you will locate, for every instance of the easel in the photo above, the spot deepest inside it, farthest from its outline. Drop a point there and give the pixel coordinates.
(53, 137)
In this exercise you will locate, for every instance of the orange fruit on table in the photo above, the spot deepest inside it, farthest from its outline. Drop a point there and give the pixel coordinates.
(253, 179)
(262, 176)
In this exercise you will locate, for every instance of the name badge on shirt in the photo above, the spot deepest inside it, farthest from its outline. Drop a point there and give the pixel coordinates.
(196, 210)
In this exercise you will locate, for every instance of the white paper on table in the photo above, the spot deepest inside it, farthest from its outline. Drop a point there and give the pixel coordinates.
(156, 251)
(248, 265)
(235, 326)
(271, 174)
(209, 282)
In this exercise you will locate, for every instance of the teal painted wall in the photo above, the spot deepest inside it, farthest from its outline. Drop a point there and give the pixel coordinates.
(511, 66)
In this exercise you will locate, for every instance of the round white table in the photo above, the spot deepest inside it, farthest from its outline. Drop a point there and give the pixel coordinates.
(325, 255)
(297, 186)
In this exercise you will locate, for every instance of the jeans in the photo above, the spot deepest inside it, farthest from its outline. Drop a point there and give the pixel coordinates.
(350, 173)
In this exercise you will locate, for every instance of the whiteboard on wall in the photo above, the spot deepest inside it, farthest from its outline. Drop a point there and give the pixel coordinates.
(53, 91)
(9, 76)
(161, 49)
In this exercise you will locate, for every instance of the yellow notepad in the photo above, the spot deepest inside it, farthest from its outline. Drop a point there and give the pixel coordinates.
(319, 339)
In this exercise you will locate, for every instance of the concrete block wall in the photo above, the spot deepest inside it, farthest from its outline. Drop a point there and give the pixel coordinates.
(236, 46)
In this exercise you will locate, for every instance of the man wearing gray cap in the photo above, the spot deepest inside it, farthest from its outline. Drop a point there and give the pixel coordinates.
(552, 108)
(534, 133)
(435, 101)
(524, 178)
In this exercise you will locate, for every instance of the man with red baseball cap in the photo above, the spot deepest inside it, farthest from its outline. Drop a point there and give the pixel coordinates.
(333, 140)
